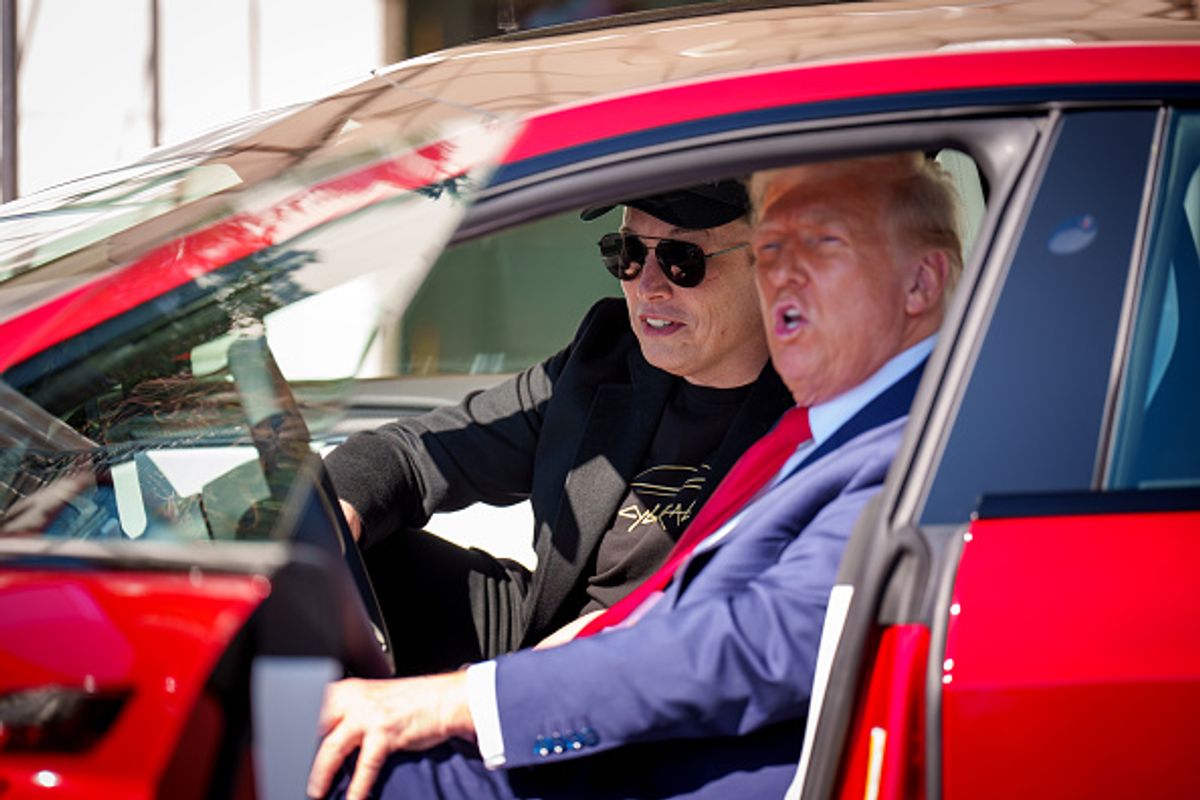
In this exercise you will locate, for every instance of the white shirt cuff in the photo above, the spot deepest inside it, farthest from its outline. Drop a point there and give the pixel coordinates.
(485, 713)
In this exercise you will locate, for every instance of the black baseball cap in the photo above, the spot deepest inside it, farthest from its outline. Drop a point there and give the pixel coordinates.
(706, 205)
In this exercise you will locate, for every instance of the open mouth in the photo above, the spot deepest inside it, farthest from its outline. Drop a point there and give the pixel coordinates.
(661, 324)
(788, 319)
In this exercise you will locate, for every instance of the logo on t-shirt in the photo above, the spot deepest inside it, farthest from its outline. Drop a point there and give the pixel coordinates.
(664, 495)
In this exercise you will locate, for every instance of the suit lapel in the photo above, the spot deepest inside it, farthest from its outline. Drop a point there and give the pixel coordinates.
(893, 403)
(618, 429)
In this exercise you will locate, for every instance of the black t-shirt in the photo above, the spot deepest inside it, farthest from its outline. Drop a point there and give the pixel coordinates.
(662, 498)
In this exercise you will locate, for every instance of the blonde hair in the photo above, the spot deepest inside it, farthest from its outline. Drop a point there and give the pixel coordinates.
(923, 200)
(925, 210)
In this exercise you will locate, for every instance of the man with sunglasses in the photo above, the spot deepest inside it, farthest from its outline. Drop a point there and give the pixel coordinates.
(617, 440)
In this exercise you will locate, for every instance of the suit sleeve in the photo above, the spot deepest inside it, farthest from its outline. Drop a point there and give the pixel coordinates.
(736, 652)
(481, 450)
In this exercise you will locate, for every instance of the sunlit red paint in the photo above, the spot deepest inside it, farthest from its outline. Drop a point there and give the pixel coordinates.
(884, 758)
(156, 635)
(1080, 65)
(1071, 662)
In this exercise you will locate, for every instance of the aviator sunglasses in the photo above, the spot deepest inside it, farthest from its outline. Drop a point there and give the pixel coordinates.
(682, 262)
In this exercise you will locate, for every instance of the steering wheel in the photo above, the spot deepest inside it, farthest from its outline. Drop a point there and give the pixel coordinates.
(291, 468)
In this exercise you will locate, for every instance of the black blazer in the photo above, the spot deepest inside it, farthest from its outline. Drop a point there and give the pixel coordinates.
(568, 434)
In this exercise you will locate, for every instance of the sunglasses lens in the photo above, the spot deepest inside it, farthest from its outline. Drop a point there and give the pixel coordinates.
(681, 262)
(623, 256)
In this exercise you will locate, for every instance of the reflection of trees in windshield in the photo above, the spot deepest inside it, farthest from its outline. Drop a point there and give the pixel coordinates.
(140, 362)
(74, 493)
(180, 407)
(456, 186)
(260, 284)
(132, 390)
(52, 492)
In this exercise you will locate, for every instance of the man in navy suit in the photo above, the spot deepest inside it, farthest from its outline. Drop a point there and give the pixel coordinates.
(703, 691)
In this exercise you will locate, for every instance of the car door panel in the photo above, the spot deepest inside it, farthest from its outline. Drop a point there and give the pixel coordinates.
(1071, 662)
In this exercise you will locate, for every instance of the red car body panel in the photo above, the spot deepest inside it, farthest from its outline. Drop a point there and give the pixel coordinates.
(1068, 665)
(92, 630)
(1084, 65)
(887, 740)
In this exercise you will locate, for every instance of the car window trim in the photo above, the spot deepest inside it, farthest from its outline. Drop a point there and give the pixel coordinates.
(965, 328)
(1139, 264)
(1071, 504)
(737, 152)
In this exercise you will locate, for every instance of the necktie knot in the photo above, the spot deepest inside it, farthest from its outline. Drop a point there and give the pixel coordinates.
(793, 428)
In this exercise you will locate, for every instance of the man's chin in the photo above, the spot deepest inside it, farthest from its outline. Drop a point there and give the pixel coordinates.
(800, 379)
(666, 359)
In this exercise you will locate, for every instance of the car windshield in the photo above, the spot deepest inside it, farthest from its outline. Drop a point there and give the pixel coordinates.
(39, 229)
(177, 339)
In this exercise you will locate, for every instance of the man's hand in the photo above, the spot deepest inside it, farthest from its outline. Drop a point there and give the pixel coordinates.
(381, 716)
(353, 520)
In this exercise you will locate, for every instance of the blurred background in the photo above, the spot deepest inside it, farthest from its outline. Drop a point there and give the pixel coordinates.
(89, 85)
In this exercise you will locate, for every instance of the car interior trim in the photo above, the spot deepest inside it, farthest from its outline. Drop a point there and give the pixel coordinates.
(946, 572)
(1071, 504)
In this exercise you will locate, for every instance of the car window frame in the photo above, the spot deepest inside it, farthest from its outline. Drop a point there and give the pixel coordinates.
(1097, 394)
(1149, 246)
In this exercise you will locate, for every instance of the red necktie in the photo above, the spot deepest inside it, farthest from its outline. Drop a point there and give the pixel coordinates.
(757, 465)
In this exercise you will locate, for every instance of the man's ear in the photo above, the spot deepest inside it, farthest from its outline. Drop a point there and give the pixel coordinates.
(927, 283)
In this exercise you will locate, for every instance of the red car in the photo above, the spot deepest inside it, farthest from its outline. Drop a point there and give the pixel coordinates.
(1014, 614)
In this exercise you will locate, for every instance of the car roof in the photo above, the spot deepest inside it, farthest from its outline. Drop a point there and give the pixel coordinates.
(619, 53)
(527, 73)
(530, 73)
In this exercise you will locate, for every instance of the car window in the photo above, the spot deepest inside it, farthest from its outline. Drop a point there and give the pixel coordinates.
(506, 300)
(490, 306)
(1157, 435)
(501, 302)
(1031, 415)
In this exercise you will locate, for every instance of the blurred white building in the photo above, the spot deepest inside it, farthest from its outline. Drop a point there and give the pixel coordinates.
(99, 84)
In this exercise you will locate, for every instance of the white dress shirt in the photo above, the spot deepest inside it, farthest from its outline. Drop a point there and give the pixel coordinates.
(824, 419)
